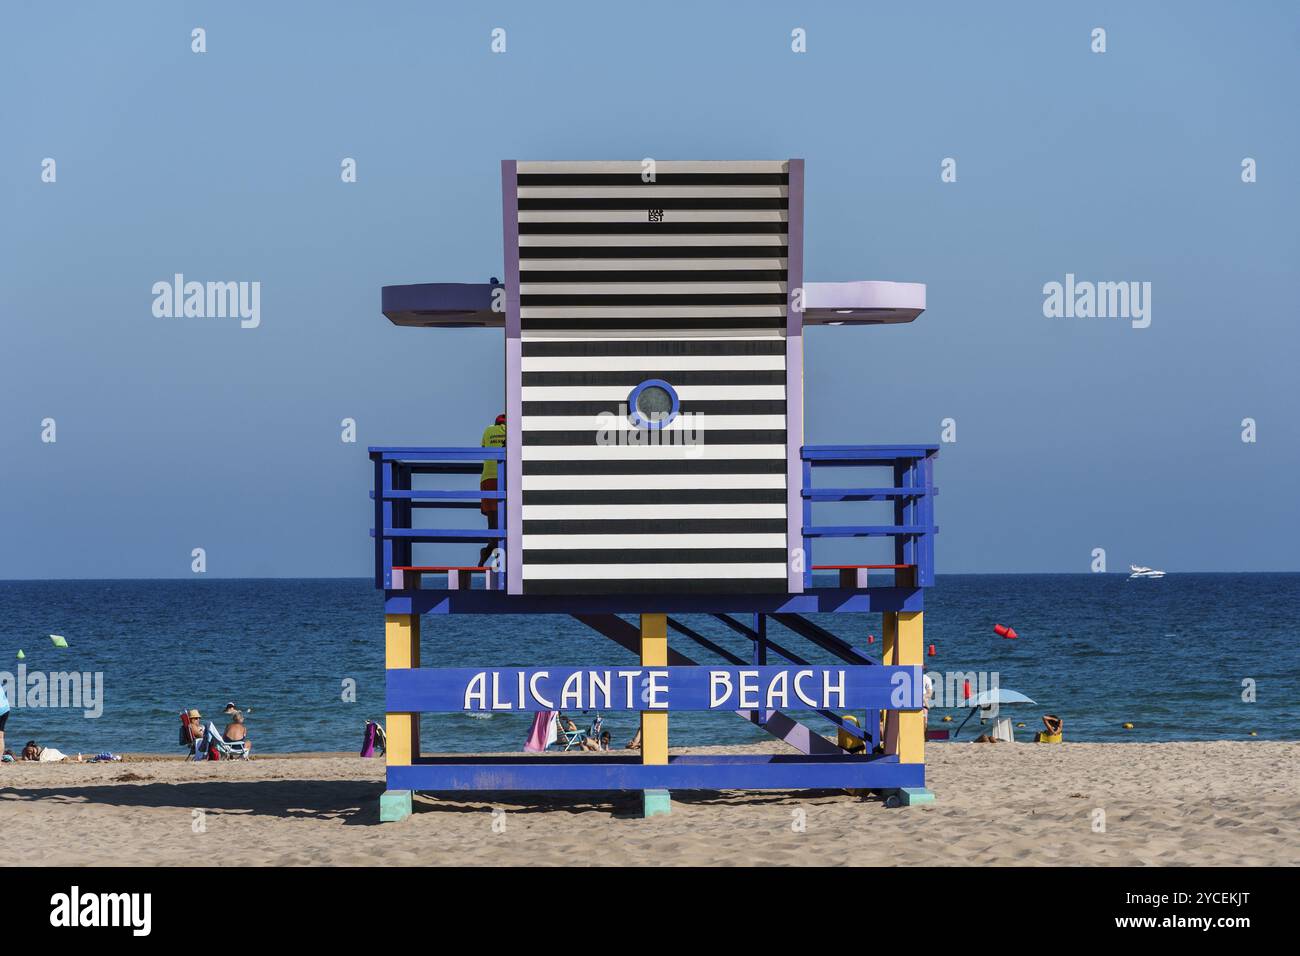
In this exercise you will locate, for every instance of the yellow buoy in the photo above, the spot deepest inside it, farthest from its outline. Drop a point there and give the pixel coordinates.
(1020, 725)
(1128, 726)
(947, 719)
(1254, 734)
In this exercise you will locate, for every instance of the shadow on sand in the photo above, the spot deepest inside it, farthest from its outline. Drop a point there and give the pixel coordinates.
(356, 802)
(352, 801)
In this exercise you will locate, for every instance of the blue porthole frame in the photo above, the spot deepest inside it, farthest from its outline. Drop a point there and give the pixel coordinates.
(640, 421)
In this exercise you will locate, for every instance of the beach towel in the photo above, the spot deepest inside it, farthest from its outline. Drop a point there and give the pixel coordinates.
(371, 738)
(542, 734)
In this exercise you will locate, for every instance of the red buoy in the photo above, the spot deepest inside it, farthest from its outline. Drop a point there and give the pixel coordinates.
(965, 690)
(871, 638)
(1003, 631)
(932, 650)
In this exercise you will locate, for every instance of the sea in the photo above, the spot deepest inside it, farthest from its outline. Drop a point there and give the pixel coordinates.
(1186, 657)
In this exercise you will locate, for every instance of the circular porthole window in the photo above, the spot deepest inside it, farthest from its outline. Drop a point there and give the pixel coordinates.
(652, 404)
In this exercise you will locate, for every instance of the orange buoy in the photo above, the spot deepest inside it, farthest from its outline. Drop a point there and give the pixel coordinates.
(1003, 631)
(932, 650)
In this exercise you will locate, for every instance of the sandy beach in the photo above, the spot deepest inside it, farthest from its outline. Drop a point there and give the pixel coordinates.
(1225, 803)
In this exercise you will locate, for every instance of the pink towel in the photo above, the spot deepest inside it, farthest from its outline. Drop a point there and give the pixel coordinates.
(542, 734)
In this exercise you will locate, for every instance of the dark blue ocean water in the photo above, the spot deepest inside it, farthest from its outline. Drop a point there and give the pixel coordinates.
(1169, 655)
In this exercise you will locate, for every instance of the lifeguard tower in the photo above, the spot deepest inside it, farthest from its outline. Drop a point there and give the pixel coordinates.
(654, 467)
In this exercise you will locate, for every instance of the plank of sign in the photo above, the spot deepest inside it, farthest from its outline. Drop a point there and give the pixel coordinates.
(433, 690)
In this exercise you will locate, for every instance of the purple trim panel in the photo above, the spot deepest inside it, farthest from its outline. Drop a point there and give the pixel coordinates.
(794, 380)
(514, 381)
(451, 304)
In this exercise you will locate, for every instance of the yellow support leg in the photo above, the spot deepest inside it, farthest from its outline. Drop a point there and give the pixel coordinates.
(402, 650)
(910, 652)
(902, 639)
(654, 723)
(888, 651)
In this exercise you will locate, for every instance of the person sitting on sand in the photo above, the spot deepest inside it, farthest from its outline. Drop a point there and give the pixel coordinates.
(196, 726)
(235, 730)
(34, 751)
(4, 714)
(635, 742)
(596, 743)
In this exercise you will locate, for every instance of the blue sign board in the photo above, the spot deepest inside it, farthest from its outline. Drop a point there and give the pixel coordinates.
(514, 689)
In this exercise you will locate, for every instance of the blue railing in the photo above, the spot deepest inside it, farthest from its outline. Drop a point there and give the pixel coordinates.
(911, 489)
(396, 500)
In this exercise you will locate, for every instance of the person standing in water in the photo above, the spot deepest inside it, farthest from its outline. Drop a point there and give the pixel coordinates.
(494, 436)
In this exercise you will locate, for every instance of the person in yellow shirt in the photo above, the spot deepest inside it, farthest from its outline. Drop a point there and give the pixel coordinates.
(494, 436)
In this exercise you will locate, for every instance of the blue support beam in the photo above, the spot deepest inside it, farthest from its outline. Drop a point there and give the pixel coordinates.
(825, 639)
(900, 531)
(865, 494)
(819, 601)
(682, 772)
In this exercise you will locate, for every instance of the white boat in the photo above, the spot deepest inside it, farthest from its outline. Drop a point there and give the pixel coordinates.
(1141, 572)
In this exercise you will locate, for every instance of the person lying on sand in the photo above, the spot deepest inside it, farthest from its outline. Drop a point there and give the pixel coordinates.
(596, 743)
(34, 751)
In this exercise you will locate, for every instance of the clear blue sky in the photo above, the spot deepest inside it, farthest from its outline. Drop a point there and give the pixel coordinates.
(1072, 433)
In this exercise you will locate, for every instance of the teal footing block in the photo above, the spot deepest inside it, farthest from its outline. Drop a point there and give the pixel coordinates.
(911, 796)
(394, 805)
(657, 802)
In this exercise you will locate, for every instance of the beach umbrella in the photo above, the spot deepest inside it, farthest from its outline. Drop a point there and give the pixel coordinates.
(987, 698)
(998, 695)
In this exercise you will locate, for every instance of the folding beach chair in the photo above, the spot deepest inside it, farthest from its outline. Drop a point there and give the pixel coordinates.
(570, 738)
(228, 749)
(187, 738)
(203, 747)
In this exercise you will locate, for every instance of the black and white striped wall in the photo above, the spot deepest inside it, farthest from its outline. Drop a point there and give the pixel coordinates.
(614, 281)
